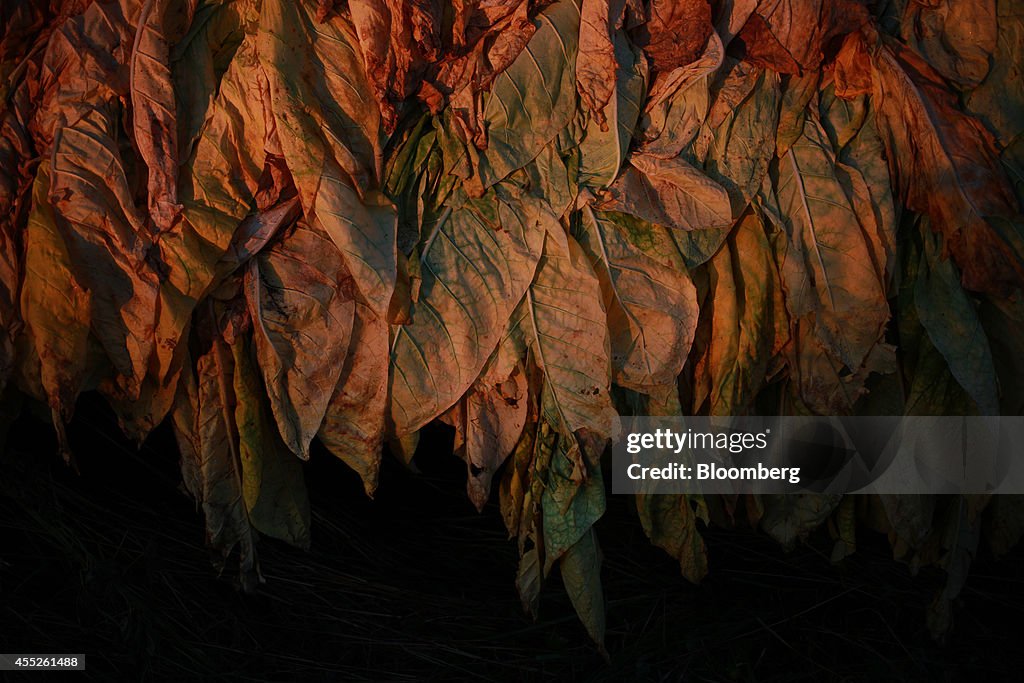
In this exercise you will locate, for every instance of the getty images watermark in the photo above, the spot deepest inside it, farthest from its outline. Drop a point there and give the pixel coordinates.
(884, 455)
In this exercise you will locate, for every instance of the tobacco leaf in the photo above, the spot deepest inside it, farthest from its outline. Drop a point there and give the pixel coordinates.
(671, 524)
(945, 164)
(16, 183)
(1000, 320)
(273, 483)
(564, 323)
(300, 298)
(529, 104)
(91, 187)
(865, 175)
(999, 99)
(790, 36)
(797, 94)
(678, 103)
(791, 518)
(852, 68)
(331, 140)
(674, 35)
(204, 425)
(827, 264)
(198, 62)
(353, 426)
(737, 150)
(569, 506)
(88, 182)
(154, 104)
(55, 306)
(651, 302)
(749, 324)
(581, 573)
(669, 192)
(731, 16)
(597, 64)
(235, 135)
(495, 415)
(603, 149)
(951, 320)
(476, 266)
(956, 38)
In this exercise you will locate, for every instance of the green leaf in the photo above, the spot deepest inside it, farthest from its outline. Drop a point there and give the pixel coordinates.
(571, 502)
(531, 101)
(740, 146)
(581, 574)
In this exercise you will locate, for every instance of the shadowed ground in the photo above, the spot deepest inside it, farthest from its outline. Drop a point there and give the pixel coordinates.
(416, 584)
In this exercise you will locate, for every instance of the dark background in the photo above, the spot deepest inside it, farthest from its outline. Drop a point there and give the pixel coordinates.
(416, 585)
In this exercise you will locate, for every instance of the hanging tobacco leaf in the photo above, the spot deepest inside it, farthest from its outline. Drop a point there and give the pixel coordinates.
(277, 223)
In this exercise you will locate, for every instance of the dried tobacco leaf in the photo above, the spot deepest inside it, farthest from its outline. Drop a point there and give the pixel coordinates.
(154, 105)
(286, 220)
(671, 193)
(945, 164)
(956, 38)
(749, 322)
(476, 266)
(204, 423)
(827, 268)
(300, 298)
(651, 302)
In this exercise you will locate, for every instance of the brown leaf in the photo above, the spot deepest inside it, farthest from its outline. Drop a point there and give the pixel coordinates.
(946, 164)
(595, 64)
(790, 36)
(675, 33)
(300, 297)
(956, 37)
(853, 68)
(495, 415)
(353, 426)
(153, 107)
(671, 524)
(669, 192)
(204, 424)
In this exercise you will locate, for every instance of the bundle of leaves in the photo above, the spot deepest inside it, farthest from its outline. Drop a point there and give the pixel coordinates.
(273, 221)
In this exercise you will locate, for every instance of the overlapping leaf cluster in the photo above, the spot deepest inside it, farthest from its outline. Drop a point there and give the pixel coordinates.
(274, 221)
